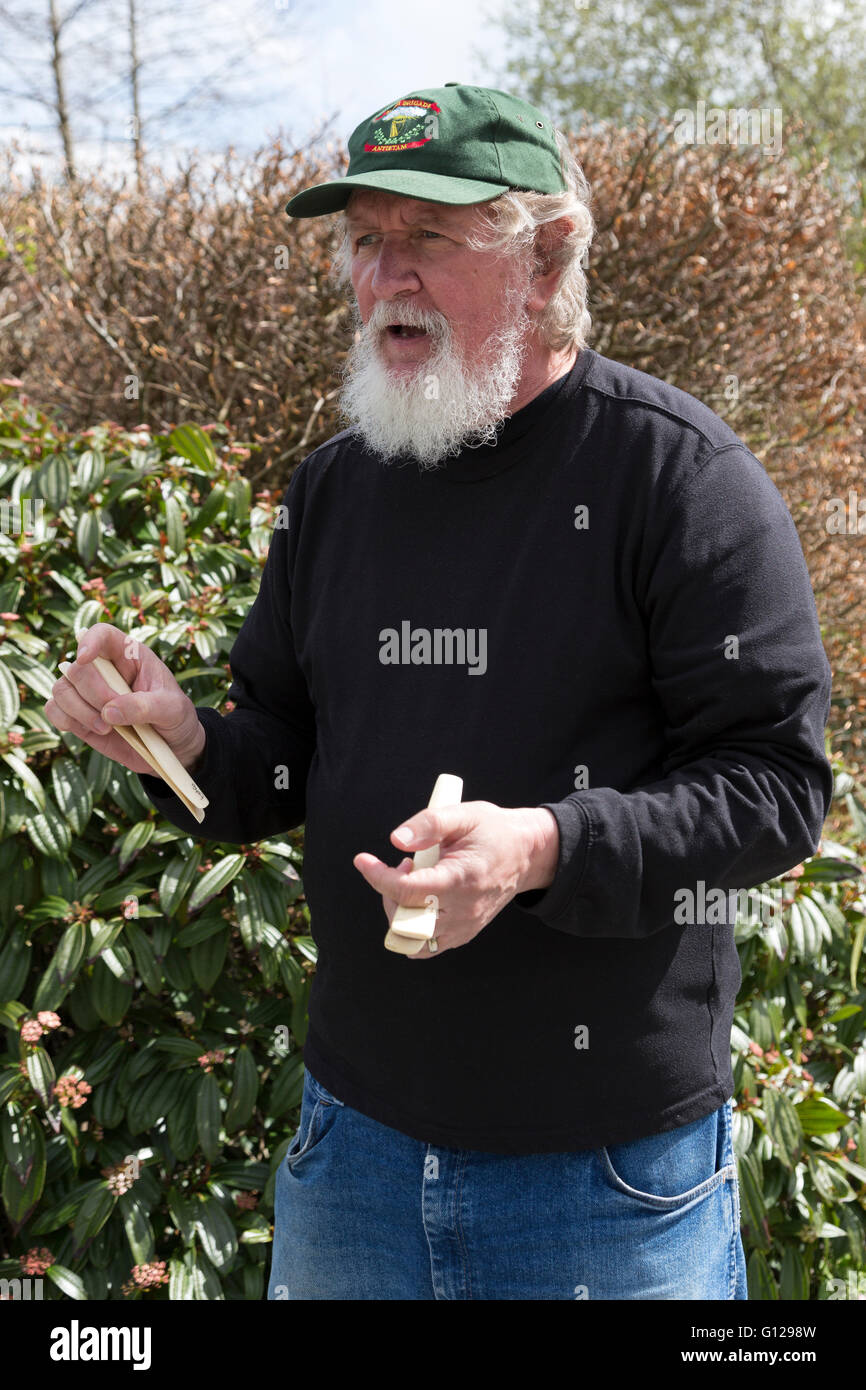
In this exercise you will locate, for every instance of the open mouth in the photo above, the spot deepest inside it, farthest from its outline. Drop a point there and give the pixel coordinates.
(403, 330)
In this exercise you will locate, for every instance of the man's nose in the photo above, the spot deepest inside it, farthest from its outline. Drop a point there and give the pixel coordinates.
(394, 271)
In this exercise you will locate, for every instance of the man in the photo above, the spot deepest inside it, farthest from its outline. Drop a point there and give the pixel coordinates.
(571, 585)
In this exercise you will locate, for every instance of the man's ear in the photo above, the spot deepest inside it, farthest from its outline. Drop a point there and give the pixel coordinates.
(548, 242)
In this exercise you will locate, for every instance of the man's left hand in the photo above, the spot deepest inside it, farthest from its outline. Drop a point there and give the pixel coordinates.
(487, 855)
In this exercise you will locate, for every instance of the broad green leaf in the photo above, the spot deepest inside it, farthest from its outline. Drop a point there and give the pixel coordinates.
(256, 1235)
(90, 470)
(24, 1180)
(10, 1014)
(248, 906)
(145, 958)
(181, 1282)
(93, 1214)
(137, 1226)
(207, 1115)
(180, 1047)
(63, 967)
(10, 702)
(794, 1277)
(288, 1085)
(106, 1063)
(752, 1199)
(174, 525)
(49, 909)
(69, 587)
(177, 879)
(783, 1126)
(200, 930)
(49, 831)
(216, 1232)
(195, 445)
(215, 879)
(74, 797)
(208, 511)
(30, 782)
(87, 615)
(67, 1282)
(87, 532)
(245, 1088)
(832, 1185)
(818, 1116)
(856, 951)
(53, 481)
(105, 936)
(180, 1211)
(119, 962)
(134, 841)
(207, 958)
(762, 1285)
(110, 996)
(40, 1071)
(14, 968)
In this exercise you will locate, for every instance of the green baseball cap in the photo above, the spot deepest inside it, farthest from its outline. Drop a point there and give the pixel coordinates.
(451, 144)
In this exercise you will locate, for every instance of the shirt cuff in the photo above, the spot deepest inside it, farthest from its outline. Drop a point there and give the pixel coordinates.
(551, 902)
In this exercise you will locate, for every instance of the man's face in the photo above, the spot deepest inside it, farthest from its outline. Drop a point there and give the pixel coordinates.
(450, 382)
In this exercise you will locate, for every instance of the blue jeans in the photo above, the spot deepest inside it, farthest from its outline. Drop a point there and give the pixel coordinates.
(365, 1212)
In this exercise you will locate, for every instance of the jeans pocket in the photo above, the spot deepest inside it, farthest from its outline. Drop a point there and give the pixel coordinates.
(675, 1169)
(321, 1093)
(318, 1115)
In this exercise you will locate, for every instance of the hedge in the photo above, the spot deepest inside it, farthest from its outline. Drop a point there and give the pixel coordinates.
(153, 988)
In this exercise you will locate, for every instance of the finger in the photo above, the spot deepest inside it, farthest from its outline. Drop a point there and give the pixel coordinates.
(426, 954)
(112, 745)
(161, 708)
(66, 698)
(429, 828)
(390, 904)
(124, 651)
(158, 707)
(104, 639)
(88, 684)
(409, 890)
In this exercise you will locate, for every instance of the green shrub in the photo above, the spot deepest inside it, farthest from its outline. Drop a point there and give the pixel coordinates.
(153, 990)
(799, 1048)
(147, 1126)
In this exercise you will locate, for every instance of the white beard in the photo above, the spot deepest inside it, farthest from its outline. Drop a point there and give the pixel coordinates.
(446, 403)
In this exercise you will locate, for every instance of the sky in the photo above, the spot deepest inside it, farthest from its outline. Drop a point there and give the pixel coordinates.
(278, 65)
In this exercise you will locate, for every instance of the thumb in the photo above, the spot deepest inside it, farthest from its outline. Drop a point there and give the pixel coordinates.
(430, 827)
(157, 707)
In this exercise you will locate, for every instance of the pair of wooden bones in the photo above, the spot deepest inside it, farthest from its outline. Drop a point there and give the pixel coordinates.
(411, 927)
(150, 746)
(414, 927)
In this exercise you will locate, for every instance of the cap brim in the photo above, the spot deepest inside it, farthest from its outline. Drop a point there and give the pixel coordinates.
(323, 198)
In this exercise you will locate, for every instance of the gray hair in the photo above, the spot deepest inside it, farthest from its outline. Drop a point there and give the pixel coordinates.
(509, 225)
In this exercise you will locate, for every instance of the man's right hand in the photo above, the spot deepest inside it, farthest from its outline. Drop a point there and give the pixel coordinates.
(79, 699)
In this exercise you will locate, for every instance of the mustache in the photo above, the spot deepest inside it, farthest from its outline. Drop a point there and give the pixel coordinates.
(384, 315)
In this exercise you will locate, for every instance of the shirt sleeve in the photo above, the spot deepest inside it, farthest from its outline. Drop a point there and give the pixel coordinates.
(743, 681)
(256, 758)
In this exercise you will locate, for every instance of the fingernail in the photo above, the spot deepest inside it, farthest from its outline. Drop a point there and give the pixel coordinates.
(110, 712)
(64, 666)
(404, 834)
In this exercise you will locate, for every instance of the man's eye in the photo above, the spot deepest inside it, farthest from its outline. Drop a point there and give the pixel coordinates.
(425, 231)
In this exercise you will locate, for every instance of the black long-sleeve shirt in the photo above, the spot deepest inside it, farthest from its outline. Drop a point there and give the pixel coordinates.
(607, 613)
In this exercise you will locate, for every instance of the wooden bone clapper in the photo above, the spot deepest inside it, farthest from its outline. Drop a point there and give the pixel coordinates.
(150, 746)
(412, 927)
